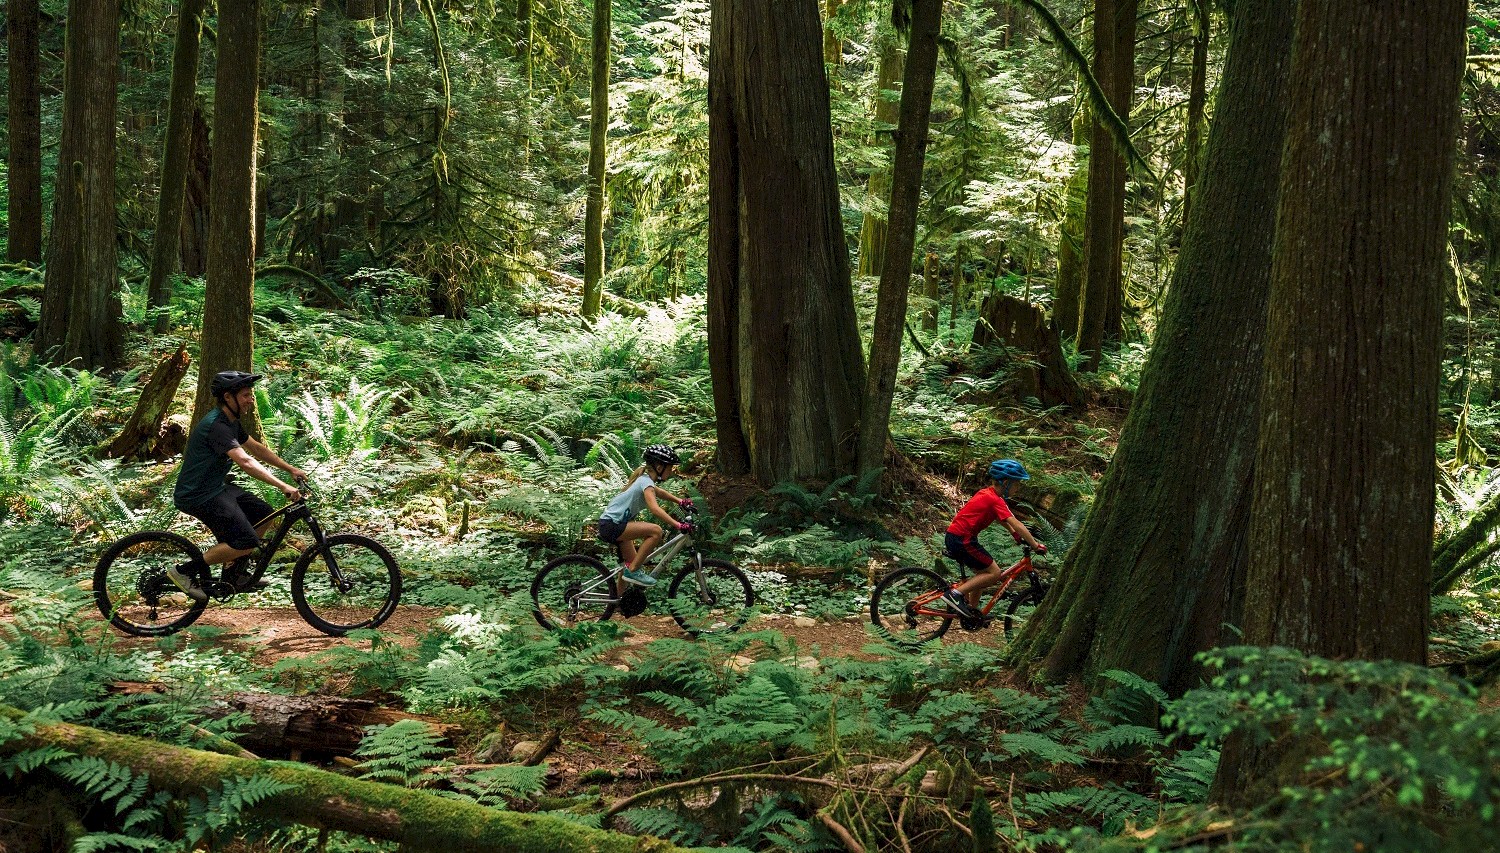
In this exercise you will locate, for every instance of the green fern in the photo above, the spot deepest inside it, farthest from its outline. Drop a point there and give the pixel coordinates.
(498, 787)
(668, 824)
(399, 753)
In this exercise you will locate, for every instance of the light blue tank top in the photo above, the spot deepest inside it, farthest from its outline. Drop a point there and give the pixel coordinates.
(629, 503)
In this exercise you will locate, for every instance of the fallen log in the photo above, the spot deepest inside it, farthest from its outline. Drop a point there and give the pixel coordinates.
(414, 819)
(294, 725)
(143, 437)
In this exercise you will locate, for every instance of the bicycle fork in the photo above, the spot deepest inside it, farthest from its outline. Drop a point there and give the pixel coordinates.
(335, 574)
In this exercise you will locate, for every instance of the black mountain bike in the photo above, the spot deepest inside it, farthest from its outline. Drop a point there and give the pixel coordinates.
(342, 582)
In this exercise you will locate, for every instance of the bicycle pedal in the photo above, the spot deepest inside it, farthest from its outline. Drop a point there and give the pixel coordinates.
(977, 623)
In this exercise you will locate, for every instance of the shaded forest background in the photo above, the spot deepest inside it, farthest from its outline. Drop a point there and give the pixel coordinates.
(477, 251)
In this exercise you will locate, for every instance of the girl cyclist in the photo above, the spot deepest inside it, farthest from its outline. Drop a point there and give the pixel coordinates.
(617, 524)
(962, 539)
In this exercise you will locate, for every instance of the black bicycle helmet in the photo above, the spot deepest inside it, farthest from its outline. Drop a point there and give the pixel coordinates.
(662, 454)
(230, 381)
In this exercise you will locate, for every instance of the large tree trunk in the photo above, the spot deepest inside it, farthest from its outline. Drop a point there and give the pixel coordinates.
(906, 192)
(228, 300)
(1070, 235)
(877, 192)
(1166, 535)
(24, 126)
(1114, 67)
(193, 239)
(174, 168)
(1344, 490)
(784, 346)
(593, 218)
(833, 46)
(81, 318)
(415, 820)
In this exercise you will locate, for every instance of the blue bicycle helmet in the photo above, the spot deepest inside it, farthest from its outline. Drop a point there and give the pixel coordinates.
(1008, 469)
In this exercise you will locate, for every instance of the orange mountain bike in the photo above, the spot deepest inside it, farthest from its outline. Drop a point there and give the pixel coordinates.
(907, 605)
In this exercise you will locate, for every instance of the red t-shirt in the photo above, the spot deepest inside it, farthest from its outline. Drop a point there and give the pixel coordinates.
(982, 510)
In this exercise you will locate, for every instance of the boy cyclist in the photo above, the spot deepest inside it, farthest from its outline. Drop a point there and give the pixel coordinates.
(617, 524)
(962, 539)
(216, 444)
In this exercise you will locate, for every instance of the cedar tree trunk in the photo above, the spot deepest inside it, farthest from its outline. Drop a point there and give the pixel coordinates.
(1158, 569)
(24, 125)
(1197, 105)
(81, 318)
(1114, 67)
(1070, 234)
(593, 218)
(174, 168)
(877, 192)
(1343, 509)
(228, 300)
(784, 347)
(906, 192)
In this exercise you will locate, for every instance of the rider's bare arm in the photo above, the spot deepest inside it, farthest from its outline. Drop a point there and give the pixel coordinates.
(265, 454)
(655, 507)
(1020, 530)
(254, 468)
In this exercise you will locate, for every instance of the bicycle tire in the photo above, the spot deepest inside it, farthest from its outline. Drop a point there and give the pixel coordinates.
(894, 611)
(370, 573)
(131, 585)
(728, 604)
(572, 589)
(1021, 605)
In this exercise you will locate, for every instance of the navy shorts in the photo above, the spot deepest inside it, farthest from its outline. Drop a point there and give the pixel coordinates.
(229, 515)
(967, 552)
(610, 530)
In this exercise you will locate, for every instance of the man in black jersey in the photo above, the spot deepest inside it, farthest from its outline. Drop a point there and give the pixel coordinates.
(216, 444)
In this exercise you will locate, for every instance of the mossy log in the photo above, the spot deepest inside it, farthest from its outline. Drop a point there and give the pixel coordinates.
(418, 821)
(142, 436)
(1456, 554)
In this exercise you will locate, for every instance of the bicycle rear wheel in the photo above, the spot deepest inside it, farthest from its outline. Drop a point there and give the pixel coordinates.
(1022, 604)
(907, 607)
(716, 602)
(131, 586)
(348, 582)
(570, 590)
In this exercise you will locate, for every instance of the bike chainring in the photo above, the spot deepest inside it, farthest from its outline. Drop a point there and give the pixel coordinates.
(220, 590)
(978, 623)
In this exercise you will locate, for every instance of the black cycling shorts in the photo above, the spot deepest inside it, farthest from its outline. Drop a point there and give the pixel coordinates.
(967, 552)
(228, 514)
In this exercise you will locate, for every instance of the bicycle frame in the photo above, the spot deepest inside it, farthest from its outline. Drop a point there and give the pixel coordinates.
(661, 557)
(1007, 577)
(290, 515)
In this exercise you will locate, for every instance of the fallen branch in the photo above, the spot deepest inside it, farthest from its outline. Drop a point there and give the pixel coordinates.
(416, 820)
(549, 743)
(841, 832)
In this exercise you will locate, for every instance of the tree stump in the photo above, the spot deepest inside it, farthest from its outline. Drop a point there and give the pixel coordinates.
(143, 436)
(1040, 370)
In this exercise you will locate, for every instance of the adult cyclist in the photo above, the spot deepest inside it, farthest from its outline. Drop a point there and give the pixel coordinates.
(204, 491)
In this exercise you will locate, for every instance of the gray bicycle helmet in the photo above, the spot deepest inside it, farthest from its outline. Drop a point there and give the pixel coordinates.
(662, 454)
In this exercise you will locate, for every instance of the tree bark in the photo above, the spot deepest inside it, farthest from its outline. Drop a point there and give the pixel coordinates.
(1344, 489)
(81, 317)
(877, 192)
(930, 291)
(228, 301)
(416, 820)
(1167, 532)
(1114, 67)
(784, 347)
(593, 219)
(1070, 236)
(193, 238)
(141, 437)
(174, 170)
(24, 126)
(906, 192)
(1197, 105)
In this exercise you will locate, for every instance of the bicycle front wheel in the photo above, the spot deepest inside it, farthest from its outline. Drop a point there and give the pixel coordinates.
(1022, 604)
(348, 582)
(907, 607)
(132, 589)
(570, 590)
(716, 600)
